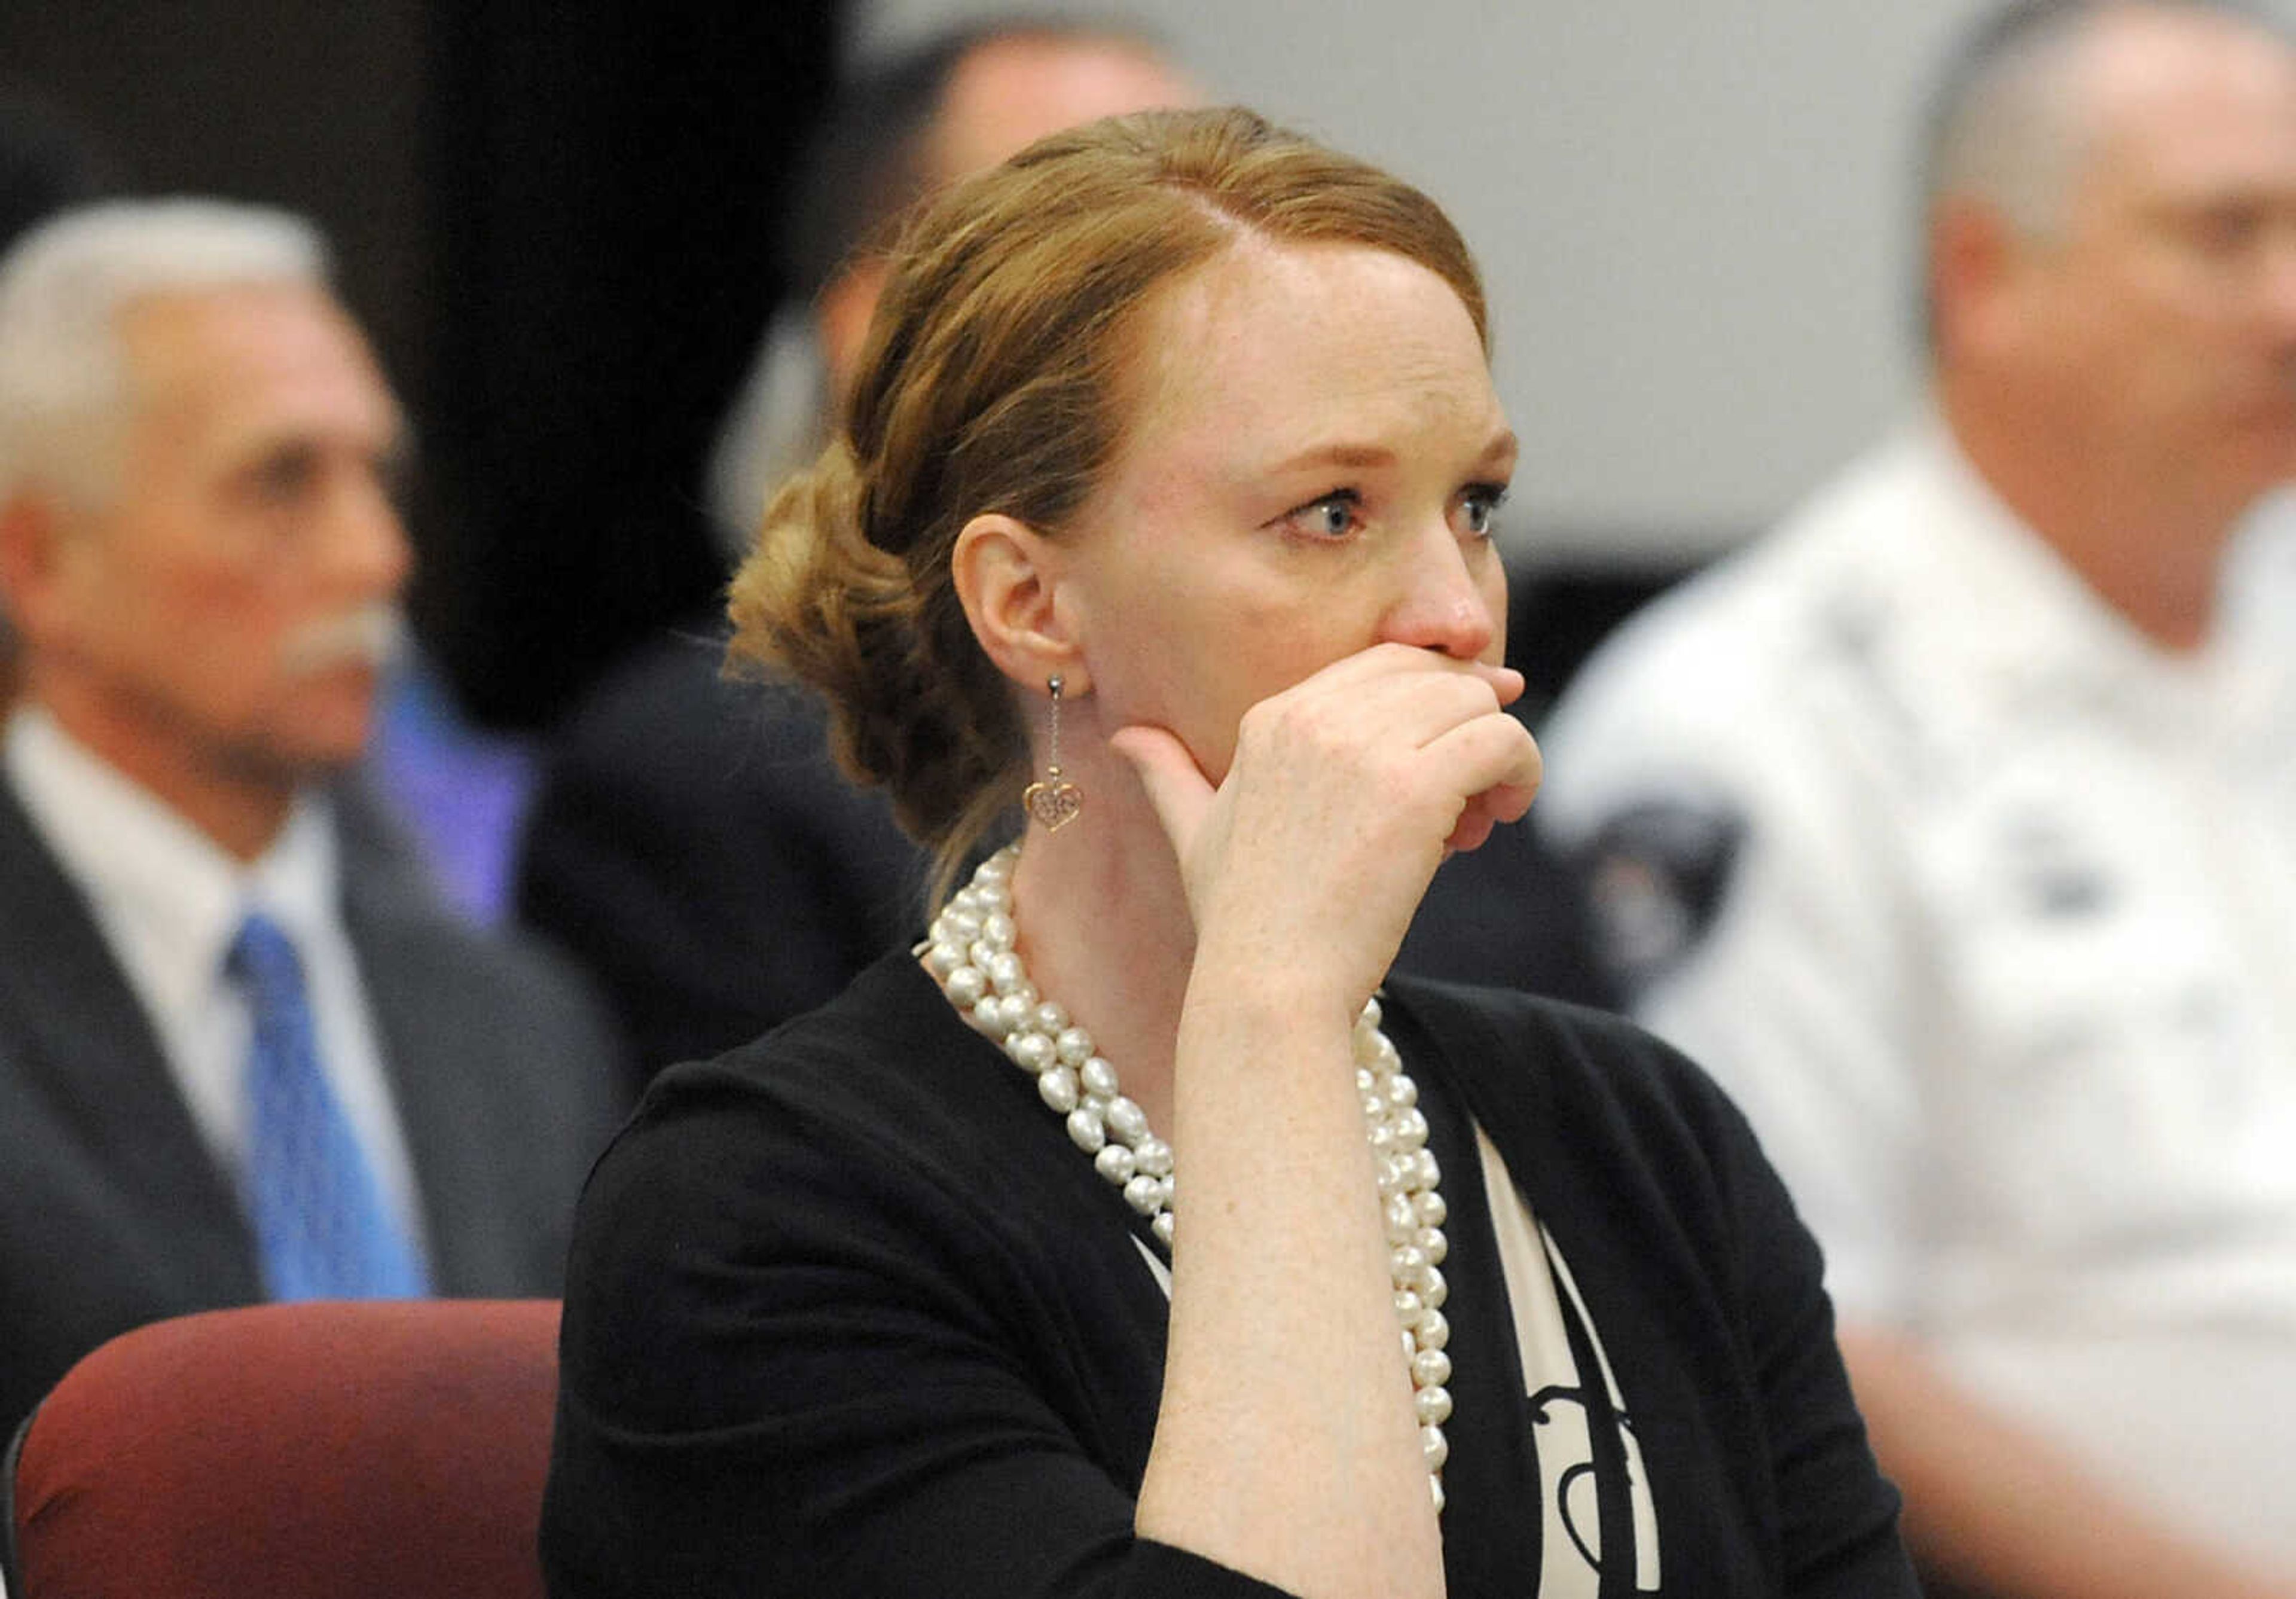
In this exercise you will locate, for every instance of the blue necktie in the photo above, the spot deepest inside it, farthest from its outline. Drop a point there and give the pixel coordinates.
(321, 1224)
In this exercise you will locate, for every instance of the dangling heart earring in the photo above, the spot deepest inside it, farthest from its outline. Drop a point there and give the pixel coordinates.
(1054, 801)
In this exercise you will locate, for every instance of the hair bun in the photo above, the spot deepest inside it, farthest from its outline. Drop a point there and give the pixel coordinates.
(817, 602)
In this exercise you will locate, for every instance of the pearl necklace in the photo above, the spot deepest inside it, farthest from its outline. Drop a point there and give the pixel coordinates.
(969, 952)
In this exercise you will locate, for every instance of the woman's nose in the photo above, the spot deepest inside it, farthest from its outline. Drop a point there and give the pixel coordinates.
(1448, 603)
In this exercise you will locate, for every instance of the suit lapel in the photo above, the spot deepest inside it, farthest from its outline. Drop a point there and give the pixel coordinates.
(78, 1037)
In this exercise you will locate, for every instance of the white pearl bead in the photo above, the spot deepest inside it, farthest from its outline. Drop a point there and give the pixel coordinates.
(1384, 1056)
(1058, 1088)
(1430, 1368)
(1433, 1245)
(992, 896)
(1096, 1074)
(1433, 1211)
(980, 952)
(1434, 1330)
(1143, 1194)
(1369, 1016)
(1364, 1082)
(1409, 1307)
(1434, 1447)
(1433, 1405)
(1084, 1130)
(991, 1018)
(1433, 1289)
(1115, 1163)
(962, 923)
(1167, 1183)
(1402, 1220)
(1402, 1092)
(1126, 1120)
(1381, 1137)
(1050, 1018)
(1435, 1490)
(1162, 1228)
(1408, 1263)
(1032, 1052)
(1411, 1127)
(1006, 971)
(1074, 1045)
(943, 958)
(1429, 1174)
(965, 986)
(997, 930)
(1155, 1156)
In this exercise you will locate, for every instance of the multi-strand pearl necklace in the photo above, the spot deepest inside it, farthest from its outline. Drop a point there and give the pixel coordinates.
(970, 953)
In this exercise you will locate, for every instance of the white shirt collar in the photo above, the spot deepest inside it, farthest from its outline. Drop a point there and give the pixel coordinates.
(2031, 619)
(169, 897)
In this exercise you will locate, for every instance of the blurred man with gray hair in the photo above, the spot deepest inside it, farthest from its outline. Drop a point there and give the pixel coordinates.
(244, 1053)
(1954, 827)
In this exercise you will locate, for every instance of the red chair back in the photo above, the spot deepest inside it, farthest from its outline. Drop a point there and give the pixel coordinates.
(327, 1450)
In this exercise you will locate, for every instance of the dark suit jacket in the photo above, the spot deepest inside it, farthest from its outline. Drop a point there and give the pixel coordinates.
(694, 847)
(112, 1211)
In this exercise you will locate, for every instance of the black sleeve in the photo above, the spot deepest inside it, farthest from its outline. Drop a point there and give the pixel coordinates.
(791, 1367)
(1838, 1514)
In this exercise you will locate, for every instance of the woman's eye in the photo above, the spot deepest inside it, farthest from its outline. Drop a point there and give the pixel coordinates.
(1478, 509)
(1335, 515)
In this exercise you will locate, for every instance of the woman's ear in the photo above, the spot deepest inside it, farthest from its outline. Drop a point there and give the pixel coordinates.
(1008, 577)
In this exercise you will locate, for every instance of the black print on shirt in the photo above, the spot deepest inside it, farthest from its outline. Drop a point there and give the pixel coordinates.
(1561, 1442)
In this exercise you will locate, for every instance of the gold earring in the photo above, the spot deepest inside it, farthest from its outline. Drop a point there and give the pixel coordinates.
(1054, 801)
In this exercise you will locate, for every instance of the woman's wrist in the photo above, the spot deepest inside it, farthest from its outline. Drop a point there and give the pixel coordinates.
(1256, 996)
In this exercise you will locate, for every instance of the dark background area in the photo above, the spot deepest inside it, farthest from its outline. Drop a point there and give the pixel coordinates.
(558, 222)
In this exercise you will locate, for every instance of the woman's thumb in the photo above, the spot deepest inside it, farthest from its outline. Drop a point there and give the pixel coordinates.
(1175, 787)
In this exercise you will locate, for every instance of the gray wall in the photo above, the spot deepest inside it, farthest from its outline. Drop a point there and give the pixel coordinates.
(1693, 214)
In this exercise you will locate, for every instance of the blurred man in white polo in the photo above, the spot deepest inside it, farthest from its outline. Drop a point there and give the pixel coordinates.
(1954, 827)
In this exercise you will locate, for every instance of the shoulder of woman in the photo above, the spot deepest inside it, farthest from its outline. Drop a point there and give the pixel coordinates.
(884, 1081)
(1556, 1033)
(1570, 1064)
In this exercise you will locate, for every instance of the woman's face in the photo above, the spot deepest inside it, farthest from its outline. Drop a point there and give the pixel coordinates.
(1312, 468)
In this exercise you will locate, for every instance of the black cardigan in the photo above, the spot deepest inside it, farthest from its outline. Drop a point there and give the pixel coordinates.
(847, 1314)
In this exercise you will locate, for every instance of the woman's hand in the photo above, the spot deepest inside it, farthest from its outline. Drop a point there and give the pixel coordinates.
(1346, 791)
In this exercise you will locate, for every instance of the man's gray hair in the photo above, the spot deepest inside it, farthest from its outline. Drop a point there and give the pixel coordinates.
(64, 394)
(2004, 127)
(2008, 124)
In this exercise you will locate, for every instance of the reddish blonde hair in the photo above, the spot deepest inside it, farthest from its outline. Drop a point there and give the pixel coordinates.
(994, 380)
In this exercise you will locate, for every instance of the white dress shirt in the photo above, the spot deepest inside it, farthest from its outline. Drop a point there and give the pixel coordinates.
(168, 902)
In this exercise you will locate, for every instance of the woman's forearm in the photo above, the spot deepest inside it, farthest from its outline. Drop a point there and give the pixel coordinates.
(1286, 1445)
